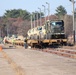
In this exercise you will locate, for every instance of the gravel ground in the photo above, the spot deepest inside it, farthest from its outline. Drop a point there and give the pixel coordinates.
(32, 62)
(5, 68)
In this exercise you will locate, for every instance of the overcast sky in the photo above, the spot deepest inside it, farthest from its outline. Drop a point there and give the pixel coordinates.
(32, 5)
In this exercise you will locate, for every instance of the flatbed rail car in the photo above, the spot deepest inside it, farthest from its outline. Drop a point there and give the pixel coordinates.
(52, 32)
(16, 42)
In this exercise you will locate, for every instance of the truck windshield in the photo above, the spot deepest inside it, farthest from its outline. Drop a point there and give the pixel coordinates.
(57, 27)
(39, 28)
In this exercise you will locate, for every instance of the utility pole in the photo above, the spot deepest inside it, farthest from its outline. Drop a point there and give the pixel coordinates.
(48, 9)
(34, 20)
(73, 19)
(45, 17)
(40, 16)
(37, 17)
(31, 21)
(7, 31)
(48, 18)
(44, 12)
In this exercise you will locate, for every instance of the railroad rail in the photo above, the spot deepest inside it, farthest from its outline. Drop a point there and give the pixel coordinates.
(69, 52)
(60, 51)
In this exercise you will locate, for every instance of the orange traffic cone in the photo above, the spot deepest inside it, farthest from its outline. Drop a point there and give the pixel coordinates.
(0, 48)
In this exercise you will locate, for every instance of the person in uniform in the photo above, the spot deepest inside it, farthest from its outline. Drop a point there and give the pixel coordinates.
(25, 43)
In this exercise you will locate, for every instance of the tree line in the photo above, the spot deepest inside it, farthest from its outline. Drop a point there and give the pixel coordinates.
(17, 21)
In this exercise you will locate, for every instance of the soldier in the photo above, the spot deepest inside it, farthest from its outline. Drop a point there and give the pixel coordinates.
(13, 42)
(25, 43)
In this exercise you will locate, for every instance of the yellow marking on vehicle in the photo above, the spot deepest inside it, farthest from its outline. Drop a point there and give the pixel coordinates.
(46, 41)
(51, 41)
(64, 40)
(32, 41)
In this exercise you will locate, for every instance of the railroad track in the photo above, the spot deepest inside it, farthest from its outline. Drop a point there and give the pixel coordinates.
(61, 52)
(71, 53)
